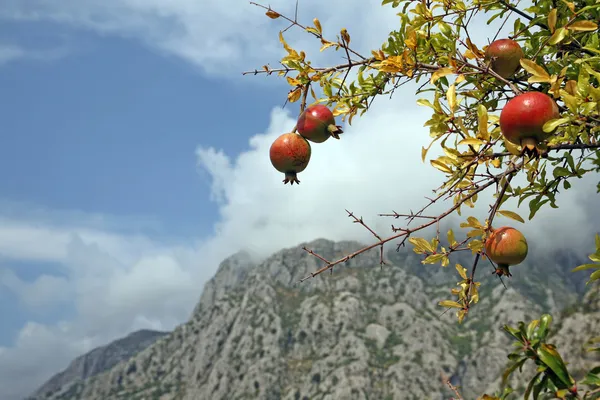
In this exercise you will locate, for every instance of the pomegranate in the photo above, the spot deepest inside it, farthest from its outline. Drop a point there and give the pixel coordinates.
(504, 56)
(317, 124)
(523, 117)
(506, 246)
(290, 154)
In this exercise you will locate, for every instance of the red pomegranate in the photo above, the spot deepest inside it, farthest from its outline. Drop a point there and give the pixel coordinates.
(317, 124)
(504, 56)
(523, 117)
(290, 154)
(506, 246)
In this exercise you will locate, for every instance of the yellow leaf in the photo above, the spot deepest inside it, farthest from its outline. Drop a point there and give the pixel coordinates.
(421, 245)
(440, 73)
(340, 109)
(285, 45)
(471, 141)
(534, 69)
(512, 148)
(318, 25)
(293, 81)
(459, 79)
(450, 304)
(583, 26)
(294, 95)
(476, 52)
(378, 55)
(475, 245)
(511, 215)
(451, 96)
(441, 166)
(411, 39)
(496, 163)
(345, 35)
(474, 233)
(451, 239)
(424, 153)
(570, 5)
(571, 87)
(557, 36)
(539, 79)
(326, 44)
(462, 271)
(482, 122)
(552, 19)
(272, 14)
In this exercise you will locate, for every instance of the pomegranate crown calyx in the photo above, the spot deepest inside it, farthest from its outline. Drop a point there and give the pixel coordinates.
(335, 130)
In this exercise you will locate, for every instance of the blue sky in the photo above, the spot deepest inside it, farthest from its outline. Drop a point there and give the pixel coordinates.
(113, 130)
(100, 130)
(134, 158)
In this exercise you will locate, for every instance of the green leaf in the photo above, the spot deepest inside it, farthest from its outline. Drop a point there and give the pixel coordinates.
(591, 379)
(542, 331)
(549, 356)
(554, 123)
(560, 171)
(513, 332)
(540, 386)
(512, 369)
(530, 385)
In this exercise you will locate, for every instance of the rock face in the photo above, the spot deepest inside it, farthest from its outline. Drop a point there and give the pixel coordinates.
(363, 332)
(99, 360)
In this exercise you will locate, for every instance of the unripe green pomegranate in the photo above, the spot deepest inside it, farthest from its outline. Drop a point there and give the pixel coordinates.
(524, 116)
(290, 154)
(504, 56)
(506, 246)
(317, 124)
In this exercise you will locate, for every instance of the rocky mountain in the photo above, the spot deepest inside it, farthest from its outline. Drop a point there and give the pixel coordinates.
(99, 360)
(363, 332)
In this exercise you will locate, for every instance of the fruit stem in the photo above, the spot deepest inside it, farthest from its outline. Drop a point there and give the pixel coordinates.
(335, 130)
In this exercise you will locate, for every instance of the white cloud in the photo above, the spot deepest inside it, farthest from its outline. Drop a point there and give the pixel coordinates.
(45, 291)
(119, 281)
(223, 37)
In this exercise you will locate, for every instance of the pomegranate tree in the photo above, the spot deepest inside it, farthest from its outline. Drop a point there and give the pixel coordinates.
(506, 246)
(523, 117)
(504, 56)
(317, 124)
(290, 154)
